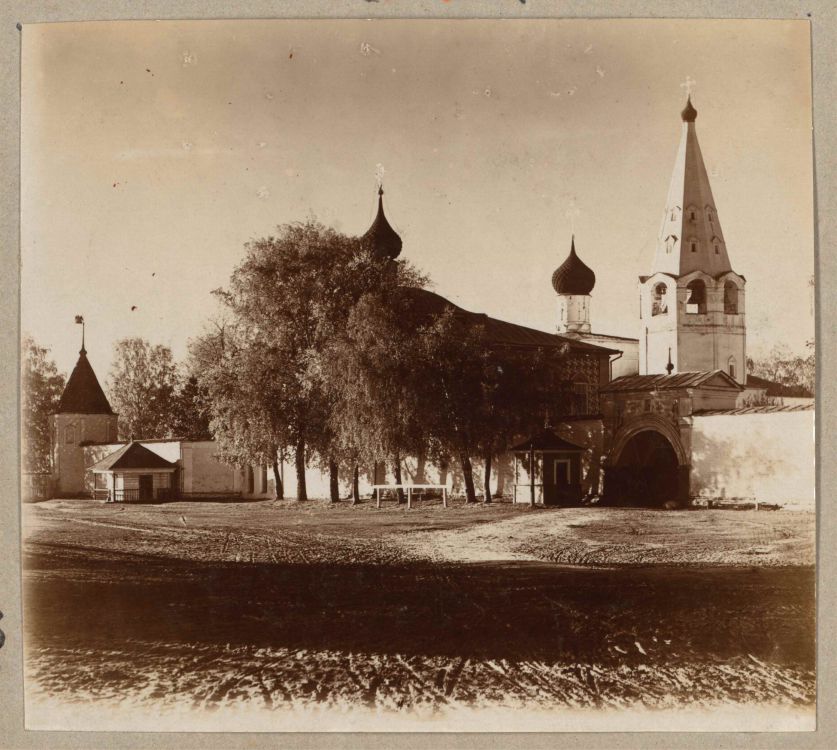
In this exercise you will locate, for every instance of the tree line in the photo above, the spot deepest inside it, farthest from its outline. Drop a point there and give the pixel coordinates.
(329, 354)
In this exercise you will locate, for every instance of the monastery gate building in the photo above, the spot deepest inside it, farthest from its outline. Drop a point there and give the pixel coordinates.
(665, 419)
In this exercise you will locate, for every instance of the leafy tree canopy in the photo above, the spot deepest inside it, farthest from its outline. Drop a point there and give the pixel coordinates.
(41, 388)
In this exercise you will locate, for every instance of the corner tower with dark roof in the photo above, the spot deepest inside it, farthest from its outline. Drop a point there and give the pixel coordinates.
(573, 281)
(692, 304)
(84, 416)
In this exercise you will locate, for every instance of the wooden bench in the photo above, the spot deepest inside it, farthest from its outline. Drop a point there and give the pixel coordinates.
(409, 489)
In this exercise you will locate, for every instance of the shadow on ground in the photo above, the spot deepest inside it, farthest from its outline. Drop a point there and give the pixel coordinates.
(77, 598)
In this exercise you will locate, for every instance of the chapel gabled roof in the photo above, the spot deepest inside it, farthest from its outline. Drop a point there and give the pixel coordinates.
(83, 394)
(381, 240)
(133, 456)
(573, 276)
(547, 440)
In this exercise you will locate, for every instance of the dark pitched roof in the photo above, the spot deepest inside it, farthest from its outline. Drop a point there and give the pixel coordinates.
(573, 276)
(778, 389)
(381, 240)
(668, 382)
(83, 394)
(133, 456)
(549, 441)
(500, 332)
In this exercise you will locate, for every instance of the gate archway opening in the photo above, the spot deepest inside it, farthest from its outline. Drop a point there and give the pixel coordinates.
(647, 473)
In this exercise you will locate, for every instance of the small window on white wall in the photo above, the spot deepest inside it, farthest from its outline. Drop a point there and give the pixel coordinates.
(731, 367)
(69, 434)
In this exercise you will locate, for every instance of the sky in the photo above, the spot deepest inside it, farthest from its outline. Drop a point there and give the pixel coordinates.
(151, 152)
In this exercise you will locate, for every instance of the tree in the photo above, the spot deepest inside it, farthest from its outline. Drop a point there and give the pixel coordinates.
(190, 410)
(519, 393)
(283, 298)
(41, 388)
(368, 365)
(454, 362)
(794, 371)
(142, 385)
(242, 400)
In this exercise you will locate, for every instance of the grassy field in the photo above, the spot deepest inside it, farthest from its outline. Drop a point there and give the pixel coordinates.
(277, 605)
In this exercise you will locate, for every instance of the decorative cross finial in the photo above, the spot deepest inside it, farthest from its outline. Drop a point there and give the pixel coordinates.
(80, 321)
(689, 86)
(379, 177)
(572, 212)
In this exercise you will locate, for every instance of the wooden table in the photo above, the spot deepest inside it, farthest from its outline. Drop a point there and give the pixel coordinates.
(409, 489)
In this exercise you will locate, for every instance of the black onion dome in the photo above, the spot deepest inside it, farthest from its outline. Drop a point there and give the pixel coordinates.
(381, 240)
(689, 113)
(573, 276)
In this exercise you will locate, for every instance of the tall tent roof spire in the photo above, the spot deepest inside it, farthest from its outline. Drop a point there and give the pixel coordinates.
(381, 240)
(83, 394)
(690, 236)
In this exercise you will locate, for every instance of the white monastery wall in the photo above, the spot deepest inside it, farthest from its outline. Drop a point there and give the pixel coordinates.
(764, 457)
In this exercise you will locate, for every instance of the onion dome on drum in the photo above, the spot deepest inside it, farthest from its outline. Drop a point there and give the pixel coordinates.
(573, 276)
(381, 241)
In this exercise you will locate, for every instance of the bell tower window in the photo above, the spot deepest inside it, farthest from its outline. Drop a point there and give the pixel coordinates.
(730, 298)
(696, 302)
(659, 303)
(731, 367)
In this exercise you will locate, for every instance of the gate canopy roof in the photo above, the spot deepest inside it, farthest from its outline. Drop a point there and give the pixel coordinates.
(710, 378)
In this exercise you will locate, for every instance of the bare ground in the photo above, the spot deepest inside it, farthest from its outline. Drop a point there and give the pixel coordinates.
(278, 604)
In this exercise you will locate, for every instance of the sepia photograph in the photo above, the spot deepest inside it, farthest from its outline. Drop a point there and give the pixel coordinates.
(418, 375)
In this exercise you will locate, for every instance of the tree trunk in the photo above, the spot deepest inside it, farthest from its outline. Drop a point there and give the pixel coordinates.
(487, 481)
(299, 460)
(468, 474)
(333, 484)
(277, 478)
(396, 470)
(443, 472)
(421, 466)
(501, 477)
(355, 485)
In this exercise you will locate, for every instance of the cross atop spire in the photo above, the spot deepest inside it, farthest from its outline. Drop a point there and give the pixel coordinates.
(571, 214)
(689, 86)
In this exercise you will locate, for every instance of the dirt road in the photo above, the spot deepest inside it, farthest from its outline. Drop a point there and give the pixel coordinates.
(174, 609)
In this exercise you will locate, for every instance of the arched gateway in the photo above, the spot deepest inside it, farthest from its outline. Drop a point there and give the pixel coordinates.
(647, 467)
(648, 423)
